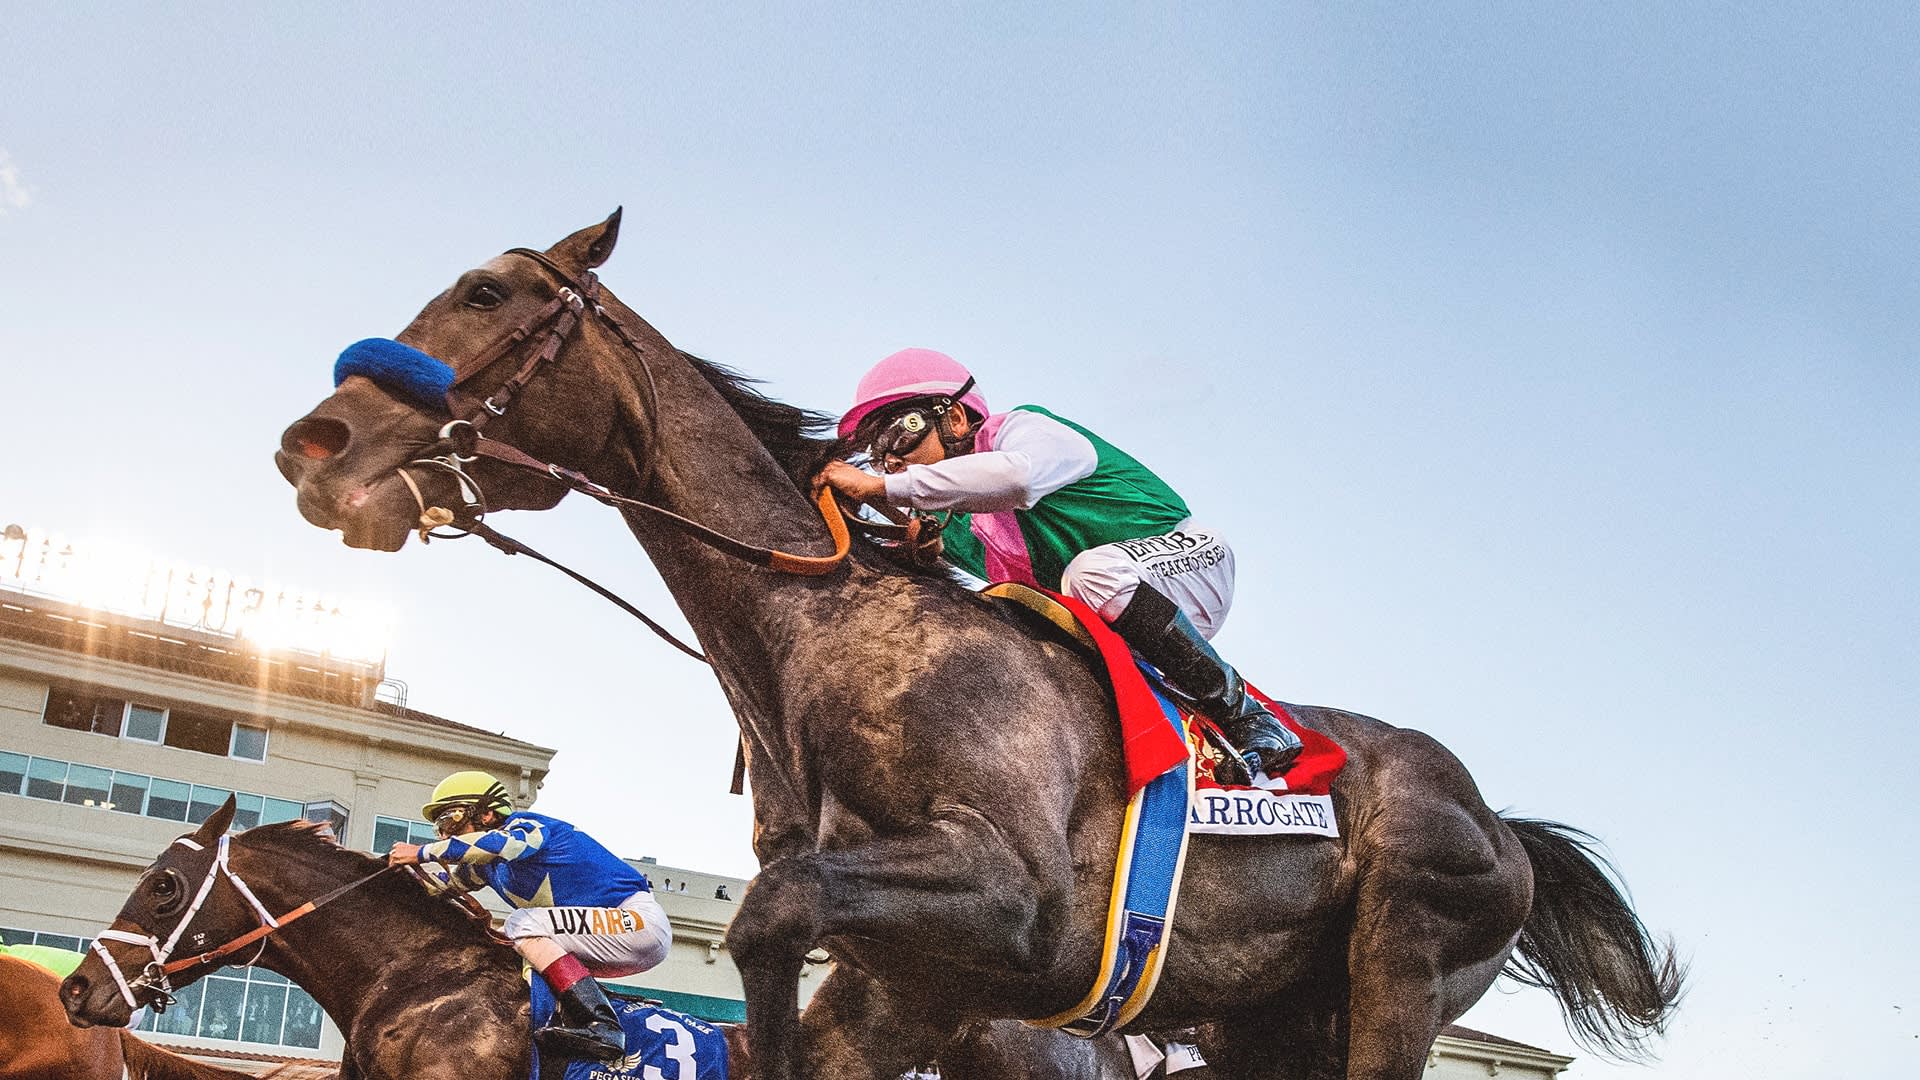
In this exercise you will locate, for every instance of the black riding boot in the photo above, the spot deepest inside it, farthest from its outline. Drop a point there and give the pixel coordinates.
(1162, 634)
(583, 1026)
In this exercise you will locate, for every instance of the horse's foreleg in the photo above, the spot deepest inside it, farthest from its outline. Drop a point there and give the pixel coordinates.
(854, 1028)
(769, 939)
(952, 889)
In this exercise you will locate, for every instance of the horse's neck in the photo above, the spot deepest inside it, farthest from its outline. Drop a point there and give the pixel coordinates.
(767, 633)
(369, 943)
(709, 467)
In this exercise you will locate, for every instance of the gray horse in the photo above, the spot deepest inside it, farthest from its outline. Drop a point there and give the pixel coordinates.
(937, 785)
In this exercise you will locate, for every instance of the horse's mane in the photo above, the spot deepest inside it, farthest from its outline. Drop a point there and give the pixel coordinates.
(802, 441)
(314, 842)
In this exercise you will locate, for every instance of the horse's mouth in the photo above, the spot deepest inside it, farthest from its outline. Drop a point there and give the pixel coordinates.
(88, 1005)
(377, 515)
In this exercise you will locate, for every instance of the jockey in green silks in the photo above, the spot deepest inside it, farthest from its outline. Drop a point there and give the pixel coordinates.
(1040, 500)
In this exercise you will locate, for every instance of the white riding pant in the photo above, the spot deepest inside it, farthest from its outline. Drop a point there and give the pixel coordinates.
(1191, 566)
(611, 942)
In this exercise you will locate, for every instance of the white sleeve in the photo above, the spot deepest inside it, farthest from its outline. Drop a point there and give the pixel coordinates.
(1033, 456)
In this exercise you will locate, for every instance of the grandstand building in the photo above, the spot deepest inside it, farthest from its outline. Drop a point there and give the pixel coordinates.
(127, 718)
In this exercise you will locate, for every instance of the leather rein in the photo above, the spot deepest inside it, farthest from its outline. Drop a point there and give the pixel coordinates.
(156, 975)
(463, 441)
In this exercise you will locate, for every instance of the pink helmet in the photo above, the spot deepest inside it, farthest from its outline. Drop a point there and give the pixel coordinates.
(909, 373)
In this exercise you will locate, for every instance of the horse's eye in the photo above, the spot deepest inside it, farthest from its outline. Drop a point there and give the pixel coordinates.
(485, 296)
(169, 893)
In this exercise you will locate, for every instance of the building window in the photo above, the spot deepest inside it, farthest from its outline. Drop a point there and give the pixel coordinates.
(150, 796)
(46, 779)
(129, 793)
(246, 809)
(146, 723)
(12, 936)
(201, 734)
(278, 810)
(77, 711)
(329, 813)
(390, 831)
(87, 785)
(248, 744)
(203, 802)
(100, 714)
(13, 772)
(242, 1005)
(167, 799)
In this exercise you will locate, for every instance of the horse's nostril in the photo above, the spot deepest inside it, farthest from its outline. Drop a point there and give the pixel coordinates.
(316, 438)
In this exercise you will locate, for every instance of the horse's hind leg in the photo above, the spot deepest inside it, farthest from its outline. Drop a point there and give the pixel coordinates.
(1435, 918)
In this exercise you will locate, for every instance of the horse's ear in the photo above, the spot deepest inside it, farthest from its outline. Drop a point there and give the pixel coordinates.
(216, 826)
(590, 246)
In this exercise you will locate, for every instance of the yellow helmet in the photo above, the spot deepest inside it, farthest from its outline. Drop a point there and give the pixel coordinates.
(476, 791)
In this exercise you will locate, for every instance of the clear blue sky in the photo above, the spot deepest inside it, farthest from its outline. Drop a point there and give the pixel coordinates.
(1553, 371)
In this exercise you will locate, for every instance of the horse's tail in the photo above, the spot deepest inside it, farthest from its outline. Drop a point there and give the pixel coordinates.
(1616, 985)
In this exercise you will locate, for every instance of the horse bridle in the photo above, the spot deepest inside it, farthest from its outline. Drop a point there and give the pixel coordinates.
(155, 976)
(462, 441)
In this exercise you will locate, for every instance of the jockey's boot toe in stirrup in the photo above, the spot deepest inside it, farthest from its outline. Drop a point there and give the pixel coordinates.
(1158, 630)
(1266, 744)
(584, 1026)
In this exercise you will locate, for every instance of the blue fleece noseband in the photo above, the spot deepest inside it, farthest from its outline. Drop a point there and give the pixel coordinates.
(399, 369)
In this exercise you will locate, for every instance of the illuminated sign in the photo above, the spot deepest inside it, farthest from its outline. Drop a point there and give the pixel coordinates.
(118, 579)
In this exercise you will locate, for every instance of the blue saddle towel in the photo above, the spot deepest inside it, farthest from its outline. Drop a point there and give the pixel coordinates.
(661, 1044)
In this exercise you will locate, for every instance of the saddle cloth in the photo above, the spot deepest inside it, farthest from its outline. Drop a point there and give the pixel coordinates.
(661, 1044)
(1299, 802)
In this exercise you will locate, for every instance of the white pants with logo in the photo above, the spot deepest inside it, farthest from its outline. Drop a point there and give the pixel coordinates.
(1191, 566)
(611, 942)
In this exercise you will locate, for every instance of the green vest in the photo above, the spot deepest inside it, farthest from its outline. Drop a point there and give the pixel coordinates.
(1121, 500)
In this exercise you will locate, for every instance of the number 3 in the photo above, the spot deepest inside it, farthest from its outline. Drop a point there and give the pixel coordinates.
(679, 1051)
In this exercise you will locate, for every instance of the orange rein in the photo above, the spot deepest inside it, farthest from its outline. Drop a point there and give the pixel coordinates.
(814, 565)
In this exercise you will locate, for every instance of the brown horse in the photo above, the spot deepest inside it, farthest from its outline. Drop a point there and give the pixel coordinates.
(937, 787)
(420, 990)
(37, 1043)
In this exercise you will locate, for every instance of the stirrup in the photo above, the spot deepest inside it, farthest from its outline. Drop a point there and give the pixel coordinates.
(579, 1043)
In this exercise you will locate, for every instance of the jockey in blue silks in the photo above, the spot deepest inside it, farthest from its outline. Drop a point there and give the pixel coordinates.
(580, 911)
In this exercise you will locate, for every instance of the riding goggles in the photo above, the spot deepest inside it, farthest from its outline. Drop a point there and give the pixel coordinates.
(904, 432)
(452, 820)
